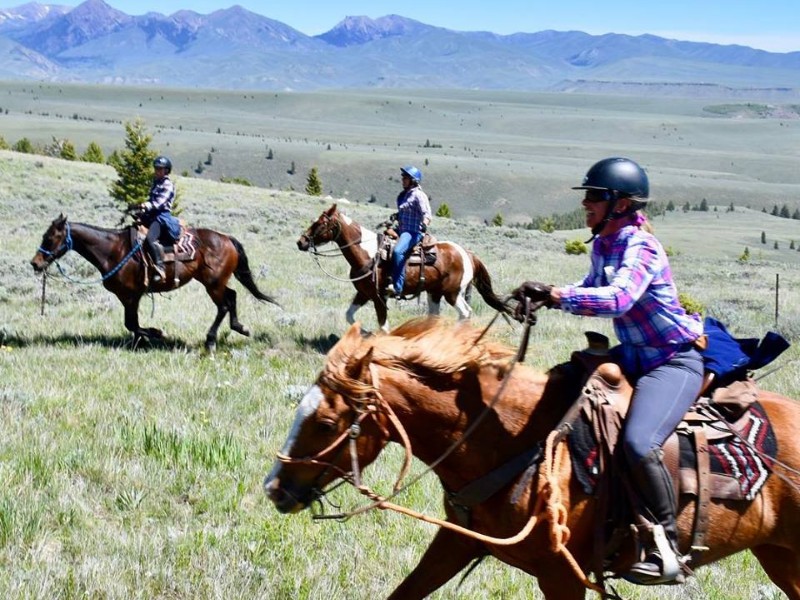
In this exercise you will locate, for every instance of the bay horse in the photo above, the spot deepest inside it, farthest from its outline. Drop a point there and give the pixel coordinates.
(424, 386)
(449, 277)
(112, 252)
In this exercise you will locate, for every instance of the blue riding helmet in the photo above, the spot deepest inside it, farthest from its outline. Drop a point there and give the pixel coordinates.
(412, 172)
(162, 162)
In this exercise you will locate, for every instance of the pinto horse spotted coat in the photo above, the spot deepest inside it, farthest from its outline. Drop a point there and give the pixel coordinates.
(449, 277)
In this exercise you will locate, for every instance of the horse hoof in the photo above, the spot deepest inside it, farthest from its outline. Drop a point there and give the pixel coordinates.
(239, 328)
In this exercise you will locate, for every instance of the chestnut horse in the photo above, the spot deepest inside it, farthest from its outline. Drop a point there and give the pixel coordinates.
(449, 277)
(111, 251)
(426, 384)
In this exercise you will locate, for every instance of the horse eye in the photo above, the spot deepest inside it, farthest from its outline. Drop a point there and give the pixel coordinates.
(327, 426)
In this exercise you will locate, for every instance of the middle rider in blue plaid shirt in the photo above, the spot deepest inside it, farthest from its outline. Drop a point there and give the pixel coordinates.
(413, 216)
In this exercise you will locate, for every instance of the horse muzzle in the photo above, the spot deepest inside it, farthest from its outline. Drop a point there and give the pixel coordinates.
(303, 243)
(285, 500)
(39, 263)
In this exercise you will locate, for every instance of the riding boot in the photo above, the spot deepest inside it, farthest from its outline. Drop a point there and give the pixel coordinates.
(157, 256)
(661, 561)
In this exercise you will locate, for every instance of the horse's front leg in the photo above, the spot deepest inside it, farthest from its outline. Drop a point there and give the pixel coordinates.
(448, 553)
(358, 301)
(132, 322)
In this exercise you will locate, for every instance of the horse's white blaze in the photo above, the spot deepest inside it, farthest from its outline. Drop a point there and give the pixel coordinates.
(307, 407)
(462, 306)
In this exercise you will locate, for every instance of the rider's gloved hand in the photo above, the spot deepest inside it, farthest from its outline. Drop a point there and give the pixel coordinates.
(531, 292)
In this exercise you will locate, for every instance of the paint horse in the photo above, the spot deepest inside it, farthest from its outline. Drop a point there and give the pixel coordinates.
(460, 405)
(449, 277)
(121, 263)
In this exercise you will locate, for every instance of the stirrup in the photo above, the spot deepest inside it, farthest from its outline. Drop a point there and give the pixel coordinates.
(660, 566)
(159, 274)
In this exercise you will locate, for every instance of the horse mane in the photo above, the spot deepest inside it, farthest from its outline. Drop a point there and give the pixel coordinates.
(422, 345)
(106, 230)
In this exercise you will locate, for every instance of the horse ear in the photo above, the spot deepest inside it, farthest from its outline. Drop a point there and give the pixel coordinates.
(359, 369)
(60, 220)
(331, 210)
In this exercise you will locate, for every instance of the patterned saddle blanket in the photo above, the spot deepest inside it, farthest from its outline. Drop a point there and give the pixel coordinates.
(183, 250)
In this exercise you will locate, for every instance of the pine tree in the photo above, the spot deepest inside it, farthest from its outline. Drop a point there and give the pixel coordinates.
(68, 151)
(745, 257)
(763, 237)
(134, 166)
(4, 144)
(444, 211)
(313, 183)
(23, 145)
(93, 154)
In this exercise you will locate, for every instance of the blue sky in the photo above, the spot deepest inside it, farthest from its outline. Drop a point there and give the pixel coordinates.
(766, 24)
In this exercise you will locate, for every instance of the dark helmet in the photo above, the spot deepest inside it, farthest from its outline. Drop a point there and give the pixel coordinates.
(412, 172)
(620, 175)
(162, 162)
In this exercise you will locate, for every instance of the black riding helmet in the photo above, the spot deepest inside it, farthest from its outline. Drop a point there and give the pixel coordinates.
(617, 174)
(617, 178)
(162, 162)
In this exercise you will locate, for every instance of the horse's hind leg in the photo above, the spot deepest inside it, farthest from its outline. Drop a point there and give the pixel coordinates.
(782, 566)
(230, 300)
(459, 302)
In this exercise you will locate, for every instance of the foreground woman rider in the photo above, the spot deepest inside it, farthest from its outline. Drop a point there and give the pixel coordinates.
(156, 215)
(631, 282)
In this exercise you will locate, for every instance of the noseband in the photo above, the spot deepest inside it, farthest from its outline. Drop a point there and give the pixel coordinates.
(65, 247)
(337, 447)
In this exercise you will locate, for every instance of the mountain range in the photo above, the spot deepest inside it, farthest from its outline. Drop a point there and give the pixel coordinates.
(234, 48)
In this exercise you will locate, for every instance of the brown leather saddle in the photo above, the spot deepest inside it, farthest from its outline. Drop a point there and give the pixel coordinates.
(423, 254)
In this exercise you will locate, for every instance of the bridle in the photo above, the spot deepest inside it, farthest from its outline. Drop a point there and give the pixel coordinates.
(333, 229)
(370, 405)
(328, 227)
(66, 246)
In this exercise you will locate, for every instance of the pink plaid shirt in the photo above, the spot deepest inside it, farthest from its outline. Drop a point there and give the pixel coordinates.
(630, 280)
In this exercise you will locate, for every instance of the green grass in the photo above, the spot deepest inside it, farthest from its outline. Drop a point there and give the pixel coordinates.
(138, 474)
(508, 153)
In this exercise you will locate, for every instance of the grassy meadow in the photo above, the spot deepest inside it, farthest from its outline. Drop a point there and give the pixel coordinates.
(484, 154)
(137, 474)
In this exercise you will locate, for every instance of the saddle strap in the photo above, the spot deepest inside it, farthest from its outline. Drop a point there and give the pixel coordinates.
(703, 493)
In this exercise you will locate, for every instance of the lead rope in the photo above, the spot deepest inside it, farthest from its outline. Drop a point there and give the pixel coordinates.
(44, 287)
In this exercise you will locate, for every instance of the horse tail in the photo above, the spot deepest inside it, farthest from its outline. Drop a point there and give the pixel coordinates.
(483, 283)
(245, 277)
